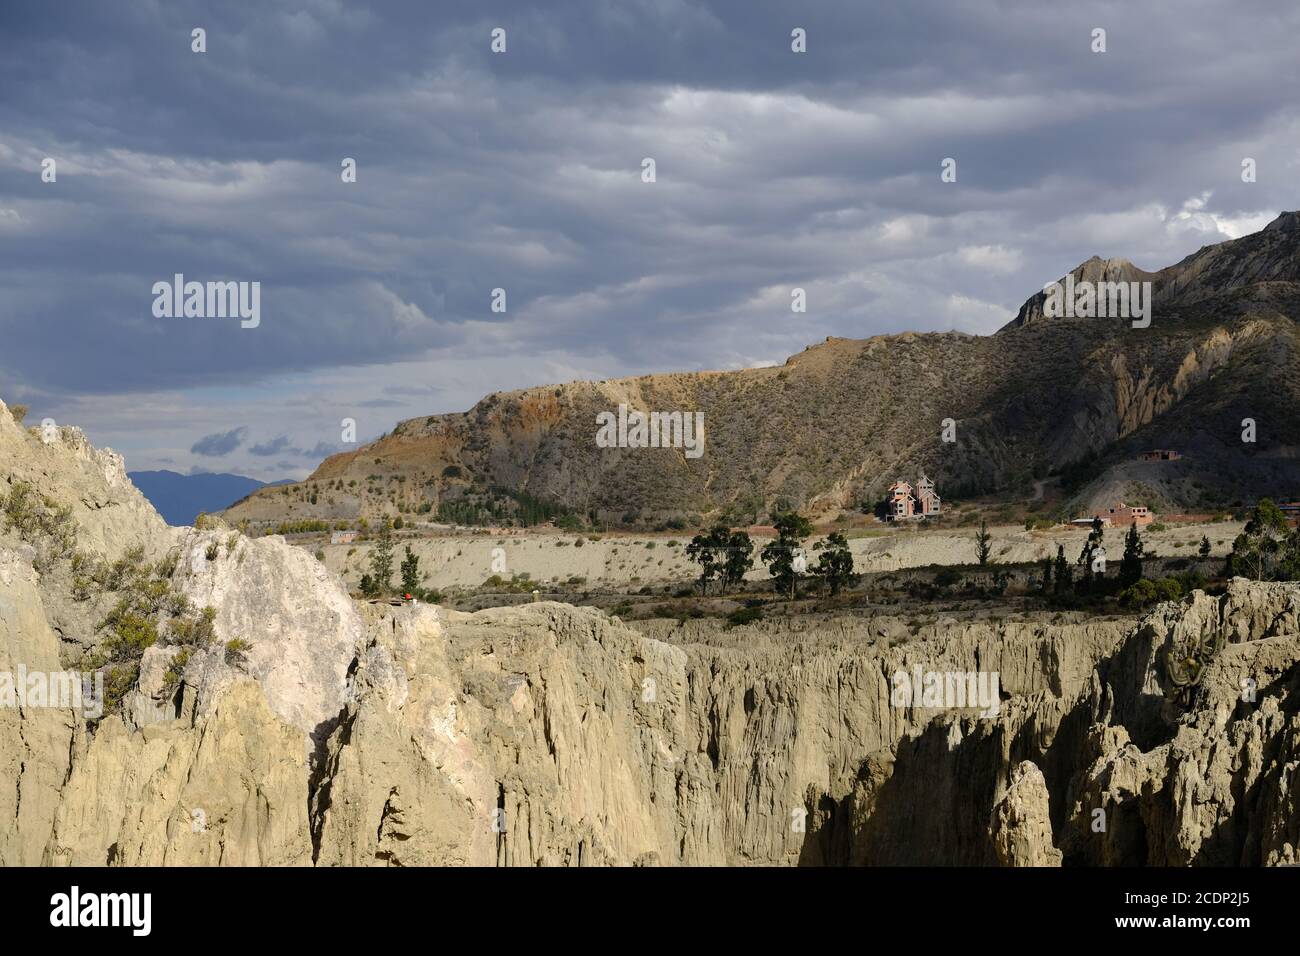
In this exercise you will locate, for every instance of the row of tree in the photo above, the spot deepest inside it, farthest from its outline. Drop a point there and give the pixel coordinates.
(1058, 574)
(725, 555)
(1267, 549)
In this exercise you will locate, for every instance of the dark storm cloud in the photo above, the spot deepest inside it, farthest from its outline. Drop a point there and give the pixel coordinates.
(521, 171)
(220, 444)
(319, 451)
(270, 448)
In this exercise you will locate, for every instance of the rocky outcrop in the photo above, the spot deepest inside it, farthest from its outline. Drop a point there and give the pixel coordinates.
(1210, 783)
(1093, 270)
(1072, 395)
(60, 462)
(406, 781)
(303, 628)
(1022, 825)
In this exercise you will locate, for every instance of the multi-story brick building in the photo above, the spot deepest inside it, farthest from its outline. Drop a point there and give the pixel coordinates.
(901, 504)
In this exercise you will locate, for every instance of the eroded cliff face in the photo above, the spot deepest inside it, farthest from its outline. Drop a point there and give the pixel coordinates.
(35, 742)
(1210, 782)
(223, 789)
(552, 735)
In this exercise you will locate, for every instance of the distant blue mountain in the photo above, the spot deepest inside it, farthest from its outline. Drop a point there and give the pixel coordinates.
(180, 498)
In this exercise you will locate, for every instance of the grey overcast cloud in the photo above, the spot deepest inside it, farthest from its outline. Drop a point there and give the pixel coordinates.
(522, 170)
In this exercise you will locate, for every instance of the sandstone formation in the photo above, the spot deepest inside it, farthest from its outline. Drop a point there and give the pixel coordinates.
(547, 734)
(1022, 825)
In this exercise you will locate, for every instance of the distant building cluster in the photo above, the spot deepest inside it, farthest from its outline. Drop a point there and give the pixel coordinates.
(901, 504)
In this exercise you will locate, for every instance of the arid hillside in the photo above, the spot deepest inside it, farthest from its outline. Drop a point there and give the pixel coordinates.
(1075, 399)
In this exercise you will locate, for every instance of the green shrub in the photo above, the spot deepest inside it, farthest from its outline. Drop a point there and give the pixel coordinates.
(947, 577)
(744, 615)
(42, 522)
(237, 650)
(175, 670)
(167, 565)
(1147, 592)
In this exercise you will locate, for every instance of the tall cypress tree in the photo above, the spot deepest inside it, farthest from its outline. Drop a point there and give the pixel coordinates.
(1064, 576)
(381, 559)
(1130, 568)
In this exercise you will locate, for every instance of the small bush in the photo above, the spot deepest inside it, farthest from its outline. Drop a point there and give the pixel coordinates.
(175, 670)
(744, 615)
(42, 522)
(237, 650)
(947, 577)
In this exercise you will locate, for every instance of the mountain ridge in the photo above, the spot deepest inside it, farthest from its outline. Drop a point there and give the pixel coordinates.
(1074, 399)
(180, 498)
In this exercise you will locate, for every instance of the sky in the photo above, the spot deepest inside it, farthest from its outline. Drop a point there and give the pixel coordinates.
(523, 170)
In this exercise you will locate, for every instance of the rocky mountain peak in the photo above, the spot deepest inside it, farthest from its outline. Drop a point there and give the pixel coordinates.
(1285, 222)
(1092, 269)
